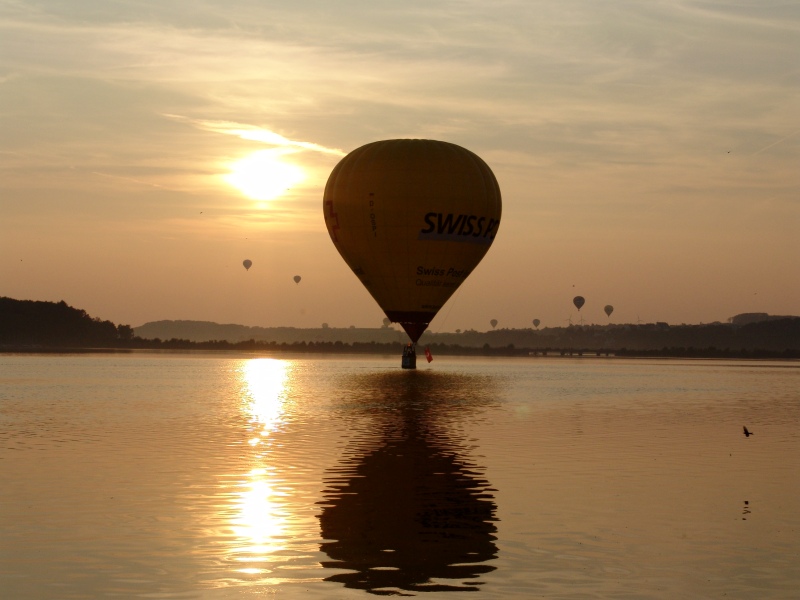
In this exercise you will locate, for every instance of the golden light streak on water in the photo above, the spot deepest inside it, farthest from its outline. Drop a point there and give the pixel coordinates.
(264, 382)
(260, 521)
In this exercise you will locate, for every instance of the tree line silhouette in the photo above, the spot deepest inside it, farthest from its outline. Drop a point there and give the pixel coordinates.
(27, 325)
(56, 324)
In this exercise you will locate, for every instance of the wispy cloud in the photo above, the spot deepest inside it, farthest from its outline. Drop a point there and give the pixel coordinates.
(127, 179)
(255, 134)
(776, 142)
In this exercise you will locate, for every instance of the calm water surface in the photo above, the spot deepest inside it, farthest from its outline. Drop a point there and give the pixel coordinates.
(218, 476)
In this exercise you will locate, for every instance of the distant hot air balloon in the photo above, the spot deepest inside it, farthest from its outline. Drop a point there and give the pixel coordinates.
(386, 322)
(609, 309)
(578, 301)
(247, 263)
(412, 219)
(493, 323)
(536, 323)
(297, 278)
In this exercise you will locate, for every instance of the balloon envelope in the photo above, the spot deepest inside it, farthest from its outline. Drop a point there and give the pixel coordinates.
(247, 263)
(297, 278)
(536, 323)
(493, 323)
(609, 309)
(578, 301)
(412, 219)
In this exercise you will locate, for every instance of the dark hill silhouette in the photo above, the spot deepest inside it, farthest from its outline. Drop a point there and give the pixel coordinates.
(767, 335)
(203, 331)
(29, 322)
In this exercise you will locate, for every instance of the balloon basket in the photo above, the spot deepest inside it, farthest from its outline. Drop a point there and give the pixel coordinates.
(409, 360)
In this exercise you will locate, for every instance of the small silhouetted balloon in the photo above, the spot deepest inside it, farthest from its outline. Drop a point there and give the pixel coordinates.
(493, 323)
(609, 309)
(578, 301)
(247, 263)
(536, 323)
(297, 278)
(386, 322)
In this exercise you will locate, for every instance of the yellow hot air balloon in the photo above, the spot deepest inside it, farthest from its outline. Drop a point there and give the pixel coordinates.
(412, 219)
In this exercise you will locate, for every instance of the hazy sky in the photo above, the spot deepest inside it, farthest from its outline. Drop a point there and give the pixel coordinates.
(648, 153)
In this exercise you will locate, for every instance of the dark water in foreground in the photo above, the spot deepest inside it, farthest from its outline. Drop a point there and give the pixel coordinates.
(197, 476)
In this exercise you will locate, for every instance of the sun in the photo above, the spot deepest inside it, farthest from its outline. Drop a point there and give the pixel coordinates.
(262, 175)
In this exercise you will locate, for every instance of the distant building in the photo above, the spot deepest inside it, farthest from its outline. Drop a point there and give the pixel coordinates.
(747, 318)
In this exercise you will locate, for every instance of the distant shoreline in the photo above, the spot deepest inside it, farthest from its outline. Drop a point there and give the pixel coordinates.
(394, 350)
(51, 327)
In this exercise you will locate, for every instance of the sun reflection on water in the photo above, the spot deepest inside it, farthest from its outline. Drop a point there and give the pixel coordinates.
(265, 391)
(260, 520)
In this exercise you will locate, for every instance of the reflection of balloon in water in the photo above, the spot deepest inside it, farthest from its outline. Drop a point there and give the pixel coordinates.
(493, 323)
(407, 508)
(578, 301)
(247, 263)
(297, 278)
(412, 219)
(536, 323)
(609, 309)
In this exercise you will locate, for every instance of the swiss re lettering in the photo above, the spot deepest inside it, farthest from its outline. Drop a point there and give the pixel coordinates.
(458, 228)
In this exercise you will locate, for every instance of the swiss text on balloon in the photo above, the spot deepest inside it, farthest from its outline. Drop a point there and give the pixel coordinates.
(459, 228)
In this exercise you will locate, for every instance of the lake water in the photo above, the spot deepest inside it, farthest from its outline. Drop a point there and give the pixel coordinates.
(224, 476)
